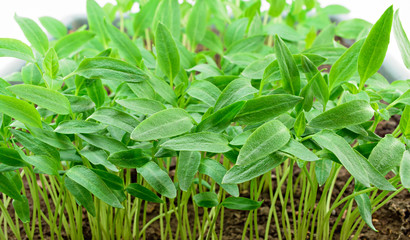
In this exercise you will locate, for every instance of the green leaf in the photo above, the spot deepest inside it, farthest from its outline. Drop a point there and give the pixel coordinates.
(90, 181)
(265, 140)
(322, 170)
(56, 28)
(241, 203)
(113, 181)
(242, 173)
(103, 142)
(142, 106)
(78, 126)
(202, 141)
(43, 97)
(221, 119)
(318, 84)
(387, 154)
(22, 209)
(80, 104)
(196, 25)
(206, 199)
(98, 157)
(300, 124)
(33, 33)
(143, 19)
(216, 171)
(72, 43)
(95, 17)
(168, 13)
(213, 42)
(81, 194)
(325, 37)
(187, 167)
(346, 66)
(143, 193)
(44, 163)
(288, 69)
(50, 63)
(299, 150)
(375, 47)
(133, 158)
(346, 114)
(20, 110)
(158, 179)
(34, 145)
(11, 157)
(15, 48)
(204, 91)
(401, 39)
(167, 52)
(265, 108)
(164, 124)
(128, 50)
(405, 170)
(52, 138)
(115, 118)
(365, 209)
(352, 28)
(9, 188)
(338, 146)
(276, 7)
(109, 69)
(236, 90)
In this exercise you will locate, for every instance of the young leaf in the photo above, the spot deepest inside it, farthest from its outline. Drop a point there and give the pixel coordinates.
(72, 43)
(50, 63)
(143, 19)
(276, 7)
(43, 97)
(90, 181)
(95, 17)
(20, 110)
(202, 141)
(143, 193)
(33, 33)
(168, 13)
(44, 163)
(216, 171)
(241, 203)
(265, 140)
(115, 118)
(288, 69)
(346, 114)
(78, 126)
(206, 199)
(11, 157)
(405, 170)
(81, 194)
(133, 158)
(300, 124)
(113, 181)
(103, 142)
(365, 209)
(204, 91)
(52, 138)
(322, 170)
(196, 25)
(9, 188)
(56, 28)
(34, 145)
(163, 124)
(22, 209)
(167, 52)
(375, 47)
(142, 106)
(98, 157)
(236, 90)
(109, 69)
(187, 167)
(401, 39)
(15, 48)
(299, 150)
(158, 179)
(318, 86)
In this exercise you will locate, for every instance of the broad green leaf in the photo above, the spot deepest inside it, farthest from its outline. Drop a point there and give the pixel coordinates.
(187, 167)
(72, 43)
(158, 179)
(78, 126)
(405, 170)
(250, 44)
(103, 142)
(164, 124)
(387, 154)
(322, 170)
(241, 138)
(204, 91)
(142, 106)
(143, 193)
(196, 25)
(266, 108)
(213, 42)
(241, 203)
(33, 33)
(242, 173)
(109, 69)
(98, 157)
(163, 89)
(11, 157)
(365, 209)
(401, 39)
(81, 194)
(115, 118)
(288, 69)
(300, 124)
(31, 74)
(318, 86)
(96, 91)
(90, 181)
(221, 119)
(52, 138)
(236, 90)
(284, 31)
(206, 199)
(265, 140)
(133, 158)
(113, 181)
(22, 209)
(143, 19)
(43, 97)
(352, 28)
(95, 17)
(276, 7)
(167, 52)
(346, 66)
(15, 48)
(299, 150)
(9, 188)
(50, 63)
(235, 31)
(202, 141)
(339, 147)
(346, 114)
(20, 110)
(80, 104)
(56, 28)
(44, 163)
(128, 50)
(34, 145)
(168, 13)
(325, 37)
(375, 47)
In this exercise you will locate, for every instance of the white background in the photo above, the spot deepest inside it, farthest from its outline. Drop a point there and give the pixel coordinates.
(63, 10)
